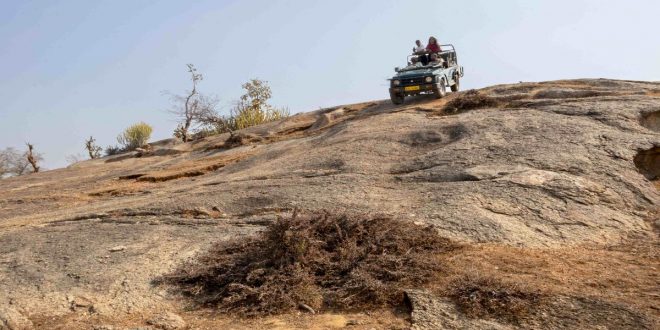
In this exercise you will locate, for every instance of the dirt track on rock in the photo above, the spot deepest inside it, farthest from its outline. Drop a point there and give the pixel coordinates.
(547, 189)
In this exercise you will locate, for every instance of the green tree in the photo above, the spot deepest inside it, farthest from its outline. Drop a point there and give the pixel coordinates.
(253, 107)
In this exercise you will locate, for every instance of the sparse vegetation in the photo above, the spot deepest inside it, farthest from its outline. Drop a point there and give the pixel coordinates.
(317, 259)
(484, 297)
(13, 163)
(113, 150)
(250, 110)
(93, 150)
(253, 107)
(4, 164)
(72, 159)
(33, 158)
(135, 136)
(193, 107)
(470, 100)
(199, 117)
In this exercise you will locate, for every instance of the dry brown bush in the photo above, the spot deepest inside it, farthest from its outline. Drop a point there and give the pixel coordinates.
(487, 297)
(322, 260)
(469, 100)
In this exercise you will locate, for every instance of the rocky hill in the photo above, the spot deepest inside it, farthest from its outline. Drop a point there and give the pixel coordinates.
(551, 187)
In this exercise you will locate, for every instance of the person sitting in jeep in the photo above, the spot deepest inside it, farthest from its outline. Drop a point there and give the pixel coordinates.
(432, 48)
(435, 59)
(414, 63)
(419, 48)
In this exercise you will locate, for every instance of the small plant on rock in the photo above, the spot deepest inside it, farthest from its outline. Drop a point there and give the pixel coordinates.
(135, 136)
(315, 261)
(191, 109)
(93, 150)
(253, 108)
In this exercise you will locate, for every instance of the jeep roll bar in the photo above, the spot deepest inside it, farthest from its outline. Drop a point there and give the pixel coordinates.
(444, 52)
(449, 46)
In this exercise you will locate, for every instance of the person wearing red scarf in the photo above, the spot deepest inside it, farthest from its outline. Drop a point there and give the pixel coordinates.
(433, 46)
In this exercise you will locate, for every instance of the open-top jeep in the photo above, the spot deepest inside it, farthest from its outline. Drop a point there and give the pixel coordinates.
(432, 78)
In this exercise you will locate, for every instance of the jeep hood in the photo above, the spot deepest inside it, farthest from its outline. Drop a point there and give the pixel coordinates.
(414, 73)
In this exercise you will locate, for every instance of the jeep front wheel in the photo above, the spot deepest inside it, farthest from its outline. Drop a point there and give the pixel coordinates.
(441, 89)
(396, 98)
(456, 85)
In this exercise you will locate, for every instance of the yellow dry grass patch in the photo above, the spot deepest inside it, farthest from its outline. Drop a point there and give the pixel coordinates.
(193, 168)
(121, 188)
(625, 274)
(654, 93)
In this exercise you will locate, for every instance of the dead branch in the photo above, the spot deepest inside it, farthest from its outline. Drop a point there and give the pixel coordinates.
(32, 159)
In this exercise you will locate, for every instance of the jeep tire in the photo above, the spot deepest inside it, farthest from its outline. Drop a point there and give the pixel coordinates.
(397, 98)
(456, 85)
(441, 89)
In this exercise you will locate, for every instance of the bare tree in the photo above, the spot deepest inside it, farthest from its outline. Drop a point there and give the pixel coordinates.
(191, 107)
(32, 158)
(93, 150)
(14, 163)
(251, 109)
(5, 164)
(72, 159)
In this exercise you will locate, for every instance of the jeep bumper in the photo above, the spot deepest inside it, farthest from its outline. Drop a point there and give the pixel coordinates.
(414, 90)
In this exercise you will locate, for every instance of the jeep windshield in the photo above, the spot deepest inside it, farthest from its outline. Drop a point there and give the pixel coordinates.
(420, 68)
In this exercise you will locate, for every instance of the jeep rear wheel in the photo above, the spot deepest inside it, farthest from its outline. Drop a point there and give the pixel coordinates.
(455, 86)
(441, 89)
(397, 98)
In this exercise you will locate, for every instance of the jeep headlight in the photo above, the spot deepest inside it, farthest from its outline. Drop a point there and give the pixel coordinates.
(396, 82)
(429, 79)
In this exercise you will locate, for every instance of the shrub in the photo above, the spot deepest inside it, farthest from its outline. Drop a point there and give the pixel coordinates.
(253, 109)
(13, 163)
(317, 259)
(113, 150)
(469, 100)
(245, 117)
(484, 297)
(93, 150)
(135, 136)
(192, 108)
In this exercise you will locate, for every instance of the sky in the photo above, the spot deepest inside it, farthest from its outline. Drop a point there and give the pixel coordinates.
(74, 68)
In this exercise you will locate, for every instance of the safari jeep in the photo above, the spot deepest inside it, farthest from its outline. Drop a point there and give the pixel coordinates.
(432, 78)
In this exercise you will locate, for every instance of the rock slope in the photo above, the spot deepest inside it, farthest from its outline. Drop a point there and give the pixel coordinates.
(560, 177)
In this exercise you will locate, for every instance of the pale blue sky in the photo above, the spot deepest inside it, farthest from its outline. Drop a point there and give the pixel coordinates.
(70, 69)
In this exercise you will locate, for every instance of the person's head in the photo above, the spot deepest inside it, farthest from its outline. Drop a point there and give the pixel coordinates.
(433, 41)
(434, 57)
(418, 43)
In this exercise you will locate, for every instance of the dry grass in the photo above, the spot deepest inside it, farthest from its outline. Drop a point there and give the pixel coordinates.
(322, 260)
(625, 274)
(654, 92)
(241, 139)
(120, 188)
(188, 168)
(469, 100)
(486, 297)
(238, 139)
